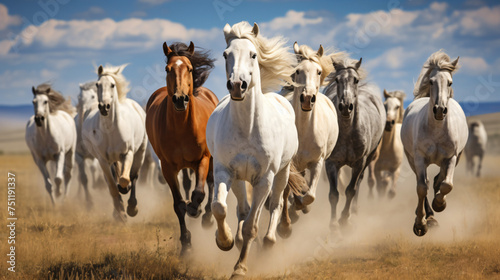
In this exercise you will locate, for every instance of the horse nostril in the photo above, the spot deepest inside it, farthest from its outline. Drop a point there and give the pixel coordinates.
(313, 99)
(341, 106)
(244, 85)
(108, 106)
(301, 98)
(186, 98)
(393, 122)
(434, 109)
(229, 85)
(42, 118)
(445, 110)
(351, 106)
(174, 98)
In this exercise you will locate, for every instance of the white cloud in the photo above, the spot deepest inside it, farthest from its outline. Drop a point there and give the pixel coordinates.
(6, 19)
(154, 2)
(473, 65)
(291, 20)
(478, 22)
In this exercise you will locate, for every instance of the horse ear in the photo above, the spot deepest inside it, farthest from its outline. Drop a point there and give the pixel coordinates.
(296, 47)
(47, 90)
(386, 94)
(455, 62)
(358, 64)
(335, 65)
(100, 70)
(320, 51)
(191, 48)
(255, 29)
(166, 49)
(227, 29)
(33, 90)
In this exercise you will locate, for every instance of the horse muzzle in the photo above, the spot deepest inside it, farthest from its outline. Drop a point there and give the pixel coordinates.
(439, 112)
(104, 108)
(346, 110)
(39, 120)
(180, 102)
(389, 125)
(307, 102)
(237, 90)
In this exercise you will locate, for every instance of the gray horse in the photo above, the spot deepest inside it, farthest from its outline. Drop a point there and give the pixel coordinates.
(476, 146)
(434, 131)
(361, 119)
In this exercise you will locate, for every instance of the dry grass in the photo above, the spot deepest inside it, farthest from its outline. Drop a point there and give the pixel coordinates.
(70, 243)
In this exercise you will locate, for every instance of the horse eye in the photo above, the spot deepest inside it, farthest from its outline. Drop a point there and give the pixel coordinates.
(224, 55)
(93, 97)
(297, 72)
(431, 82)
(319, 72)
(166, 69)
(45, 102)
(96, 84)
(254, 56)
(450, 83)
(112, 85)
(191, 70)
(356, 80)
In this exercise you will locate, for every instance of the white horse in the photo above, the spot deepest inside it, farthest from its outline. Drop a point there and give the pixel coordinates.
(51, 136)
(114, 133)
(476, 146)
(315, 119)
(85, 161)
(385, 168)
(434, 131)
(251, 136)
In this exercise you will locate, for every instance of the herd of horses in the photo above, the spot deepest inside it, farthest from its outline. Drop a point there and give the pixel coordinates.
(269, 148)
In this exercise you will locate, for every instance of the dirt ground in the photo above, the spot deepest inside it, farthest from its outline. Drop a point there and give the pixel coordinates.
(70, 242)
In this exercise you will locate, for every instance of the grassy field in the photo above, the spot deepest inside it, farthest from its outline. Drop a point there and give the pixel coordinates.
(69, 242)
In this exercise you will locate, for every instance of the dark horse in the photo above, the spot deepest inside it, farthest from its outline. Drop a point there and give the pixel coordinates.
(176, 120)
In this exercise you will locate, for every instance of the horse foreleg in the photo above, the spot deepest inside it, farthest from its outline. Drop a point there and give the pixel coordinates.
(179, 205)
(198, 194)
(394, 178)
(261, 191)
(350, 191)
(134, 174)
(206, 219)
(373, 175)
(276, 205)
(223, 180)
(84, 181)
(332, 172)
(119, 212)
(124, 172)
(240, 191)
(420, 227)
(69, 160)
(42, 165)
(284, 227)
(479, 165)
(59, 179)
(445, 186)
(315, 170)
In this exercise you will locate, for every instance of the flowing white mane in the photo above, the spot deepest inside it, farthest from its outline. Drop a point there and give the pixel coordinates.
(325, 61)
(275, 61)
(115, 72)
(437, 61)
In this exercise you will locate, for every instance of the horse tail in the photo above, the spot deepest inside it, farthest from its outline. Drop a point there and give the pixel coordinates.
(296, 182)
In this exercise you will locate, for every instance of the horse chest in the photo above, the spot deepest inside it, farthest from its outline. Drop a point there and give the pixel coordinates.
(348, 149)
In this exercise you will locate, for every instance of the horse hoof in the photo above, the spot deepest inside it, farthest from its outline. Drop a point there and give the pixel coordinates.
(193, 212)
(431, 222)
(207, 221)
(123, 190)
(224, 247)
(132, 210)
(391, 194)
(268, 242)
(307, 199)
(294, 217)
(438, 207)
(120, 217)
(284, 231)
(238, 273)
(186, 251)
(306, 209)
(420, 230)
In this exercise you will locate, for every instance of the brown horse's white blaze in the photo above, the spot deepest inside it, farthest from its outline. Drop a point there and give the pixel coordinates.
(176, 120)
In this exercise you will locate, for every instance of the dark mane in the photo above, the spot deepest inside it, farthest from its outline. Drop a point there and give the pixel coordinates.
(200, 60)
(56, 100)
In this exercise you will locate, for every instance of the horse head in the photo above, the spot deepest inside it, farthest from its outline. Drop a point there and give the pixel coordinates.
(179, 77)
(394, 108)
(308, 78)
(241, 64)
(440, 80)
(347, 80)
(107, 92)
(87, 97)
(40, 104)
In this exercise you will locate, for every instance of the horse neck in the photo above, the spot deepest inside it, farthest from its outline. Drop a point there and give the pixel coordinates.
(247, 111)
(45, 129)
(112, 120)
(431, 121)
(389, 136)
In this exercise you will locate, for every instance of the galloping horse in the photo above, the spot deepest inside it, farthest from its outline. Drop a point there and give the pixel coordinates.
(384, 170)
(114, 134)
(252, 137)
(315, 119)
(176, 121)
(434, 131)
(51, 136)
(361, 123)
(476, 146)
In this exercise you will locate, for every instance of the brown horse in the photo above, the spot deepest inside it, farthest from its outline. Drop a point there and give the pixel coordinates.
(176, 120)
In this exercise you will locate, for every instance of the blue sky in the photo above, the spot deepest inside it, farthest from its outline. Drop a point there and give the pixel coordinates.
(62, 40)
